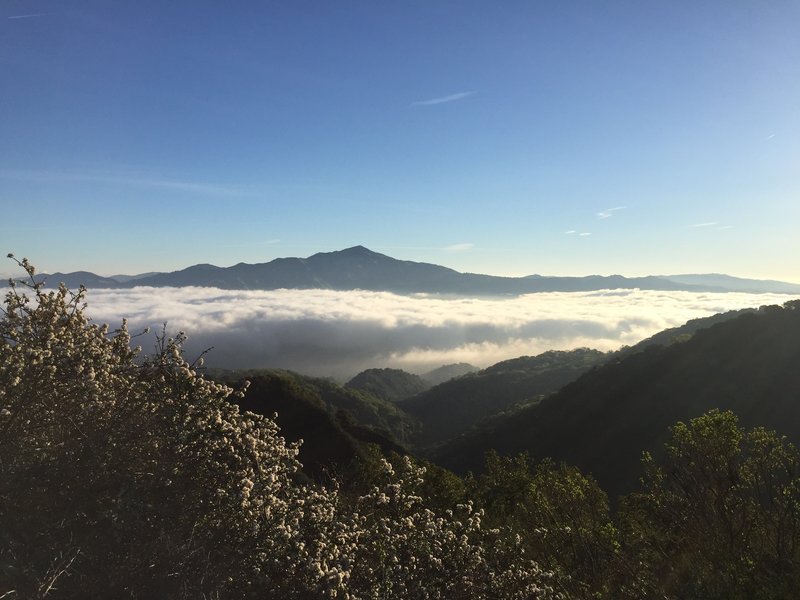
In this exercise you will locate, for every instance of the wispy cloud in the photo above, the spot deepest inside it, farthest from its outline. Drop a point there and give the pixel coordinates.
(339, 333)
(442, 99)
(715, 225)
(463, 247)
(570, 232)
(706, 224)
(584, 234)
(28, 16)
(171, 184)
(769, 137)
(609, 212)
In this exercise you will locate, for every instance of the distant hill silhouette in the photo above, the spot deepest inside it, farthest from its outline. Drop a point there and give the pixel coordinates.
(726, 283)
(388, 384)
(448, 372)
(603, 420)
(361, 268)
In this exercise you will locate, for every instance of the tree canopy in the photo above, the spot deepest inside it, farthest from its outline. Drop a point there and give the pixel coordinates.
(129, 475)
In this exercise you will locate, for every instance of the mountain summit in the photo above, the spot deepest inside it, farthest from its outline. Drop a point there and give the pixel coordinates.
(359, 267)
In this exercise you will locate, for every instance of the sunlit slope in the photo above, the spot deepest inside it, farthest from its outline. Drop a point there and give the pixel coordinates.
(602, 421)
(454, 407)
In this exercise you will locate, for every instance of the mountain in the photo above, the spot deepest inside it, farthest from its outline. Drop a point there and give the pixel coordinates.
(455, 406)
(683, 332)
(78, 278)
(127, 278)
(726, 283)
(361, 268)
(603, 420)
(363, 408)
(331, 441)
(389, 384)
(448, 372)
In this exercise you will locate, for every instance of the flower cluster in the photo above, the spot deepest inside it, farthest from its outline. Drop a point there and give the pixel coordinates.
(130, 475)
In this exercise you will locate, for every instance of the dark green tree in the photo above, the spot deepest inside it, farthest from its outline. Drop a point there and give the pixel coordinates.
(718, 518)
(561, 516)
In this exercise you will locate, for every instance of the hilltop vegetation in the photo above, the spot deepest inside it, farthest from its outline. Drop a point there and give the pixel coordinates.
(448, 372)
(388, 384)
(604, 419)
(343, 403)
(454, 407)
(124, 475)
(129, 476)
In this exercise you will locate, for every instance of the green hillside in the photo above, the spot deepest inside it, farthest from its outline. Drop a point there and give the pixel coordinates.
(602, 421)
(388, 384)
(362, 407)
(454, 407)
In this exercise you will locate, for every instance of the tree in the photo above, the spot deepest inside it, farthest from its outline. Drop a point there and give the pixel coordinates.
(123, 475)
(561, 515)
(719, 518)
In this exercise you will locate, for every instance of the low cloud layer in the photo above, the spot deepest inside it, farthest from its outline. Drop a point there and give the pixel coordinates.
(334, 333)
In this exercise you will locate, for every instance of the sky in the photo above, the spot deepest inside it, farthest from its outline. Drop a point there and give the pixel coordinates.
(560, 138)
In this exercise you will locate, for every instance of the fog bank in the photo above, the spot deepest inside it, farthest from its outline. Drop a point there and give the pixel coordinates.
(337, 333)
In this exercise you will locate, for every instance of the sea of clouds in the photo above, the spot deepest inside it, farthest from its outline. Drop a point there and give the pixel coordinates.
(338, 333)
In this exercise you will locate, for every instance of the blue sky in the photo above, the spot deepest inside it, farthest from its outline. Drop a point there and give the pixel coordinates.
(508, 138)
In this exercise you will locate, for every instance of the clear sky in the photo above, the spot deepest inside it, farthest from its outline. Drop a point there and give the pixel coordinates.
(502, 137)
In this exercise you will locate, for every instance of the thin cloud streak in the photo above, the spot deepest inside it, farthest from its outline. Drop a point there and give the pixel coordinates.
(714, 225)
(609, 212)
(186, 186)
(707, 224)
(325, 332)
(443, 99)
(29, 16)
(463, 247)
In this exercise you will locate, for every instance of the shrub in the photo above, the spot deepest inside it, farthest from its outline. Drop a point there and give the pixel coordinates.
(123, 475)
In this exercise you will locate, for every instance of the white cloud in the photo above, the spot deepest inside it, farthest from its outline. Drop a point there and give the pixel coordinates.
(715, 225)
(584, 234)
(570, 232)
(609, 212)
(28, 16)
(463, 247)
(706, 224)
(442, 99)
(337, 333)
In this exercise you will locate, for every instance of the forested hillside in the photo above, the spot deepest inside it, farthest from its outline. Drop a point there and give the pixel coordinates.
(602, 421)
(346, 404)
(454, 407)
(388, 384)
(130, 475)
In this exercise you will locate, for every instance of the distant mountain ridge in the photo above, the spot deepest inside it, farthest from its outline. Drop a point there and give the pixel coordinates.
(361, 268)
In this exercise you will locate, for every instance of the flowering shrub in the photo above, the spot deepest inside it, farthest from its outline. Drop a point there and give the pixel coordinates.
(130, 476)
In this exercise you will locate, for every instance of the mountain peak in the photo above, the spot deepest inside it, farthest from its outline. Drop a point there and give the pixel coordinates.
(357, 250)
(352, 253)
